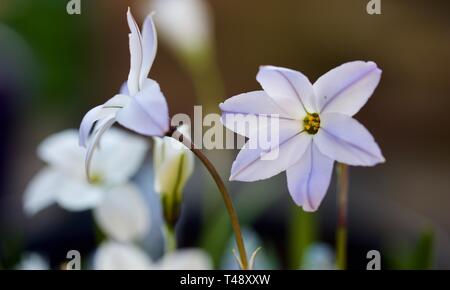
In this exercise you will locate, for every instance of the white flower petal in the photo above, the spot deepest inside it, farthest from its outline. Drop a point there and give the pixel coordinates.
(344, 139)
(61, 151)
(188, 259)
(149, 46)
(123, 214)
(116, 256)
(147, 113)
(96, 115)
(86, 124)
(136, 54)
(244, 112)
(261, 163)
(290, 89)
(77, 195)
(40, 192)
(309, 178)
(185, 24)
(346, 88)
(119, 156)
(101, 128)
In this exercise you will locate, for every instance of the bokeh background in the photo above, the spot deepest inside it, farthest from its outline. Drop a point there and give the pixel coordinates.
(55, 66)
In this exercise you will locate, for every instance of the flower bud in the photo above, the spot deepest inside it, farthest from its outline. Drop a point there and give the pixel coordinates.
(173, 165)
(183, 24)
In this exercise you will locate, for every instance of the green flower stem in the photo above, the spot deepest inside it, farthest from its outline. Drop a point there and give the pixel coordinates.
(223, 190)
(341, 232)
(171, 241)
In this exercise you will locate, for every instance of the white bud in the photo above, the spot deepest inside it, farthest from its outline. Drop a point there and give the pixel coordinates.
(183, 24)
(173, 165)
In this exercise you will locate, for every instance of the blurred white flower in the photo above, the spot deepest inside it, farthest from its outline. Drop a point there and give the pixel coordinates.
(123, 214)
(63, 180)
(33, 261)
(140, 106)
(126, 256)
(184, 24)
(173, 165)
(117, 256)
(187, 259)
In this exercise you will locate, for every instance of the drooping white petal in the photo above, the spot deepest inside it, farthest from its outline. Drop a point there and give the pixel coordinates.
(96, 115)
(40, 192)
(61, 151)
(344, 139)
(149, 46)
(117, 256)
(87, 123)
(244, 112)
(124, 89)
(253, 164)
(346, 88)
(309, 178)
(119, 156)
(136, 54)
(188, 259)
(290, 89)
(147, 113)
(123, 214)
(101, 128)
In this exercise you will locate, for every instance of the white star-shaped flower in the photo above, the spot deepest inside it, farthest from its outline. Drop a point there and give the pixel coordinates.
(315, 127)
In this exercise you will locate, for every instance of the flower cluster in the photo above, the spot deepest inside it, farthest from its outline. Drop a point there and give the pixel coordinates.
(314, 125)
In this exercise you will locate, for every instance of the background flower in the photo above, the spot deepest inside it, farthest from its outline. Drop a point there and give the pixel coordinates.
(173, 165)
(63, 180)
(117, 256)
(123, 214)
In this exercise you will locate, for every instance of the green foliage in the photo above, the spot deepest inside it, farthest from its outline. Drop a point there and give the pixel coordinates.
(417, 257)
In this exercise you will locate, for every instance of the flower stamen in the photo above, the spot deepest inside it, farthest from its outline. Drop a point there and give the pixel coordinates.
(311, 123)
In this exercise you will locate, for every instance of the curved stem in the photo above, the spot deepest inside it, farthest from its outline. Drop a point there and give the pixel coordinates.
(223, 190)
(341, 232)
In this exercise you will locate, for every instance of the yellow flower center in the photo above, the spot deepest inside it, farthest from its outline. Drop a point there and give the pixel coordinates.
(311, 123)
(95, 179)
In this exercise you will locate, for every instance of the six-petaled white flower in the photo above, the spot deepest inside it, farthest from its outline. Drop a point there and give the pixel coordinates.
(140, 106)
(315, 127)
